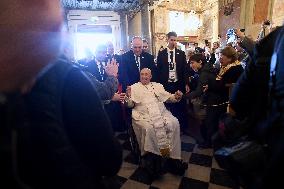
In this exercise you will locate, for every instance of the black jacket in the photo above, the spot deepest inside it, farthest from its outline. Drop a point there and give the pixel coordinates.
(220, 89)
(206, 74)
(64, 139)
(192, 77)
(250, 99)
(163, 67)
(93, 68)
(129, 73)
(252, 87)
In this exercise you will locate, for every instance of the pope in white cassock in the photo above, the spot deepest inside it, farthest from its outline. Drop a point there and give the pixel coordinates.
(156, 129)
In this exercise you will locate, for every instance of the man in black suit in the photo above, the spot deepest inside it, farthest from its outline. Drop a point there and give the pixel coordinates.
(171, 65)
(96, 66)
(133, 61)
(110, 52)
(145, 46)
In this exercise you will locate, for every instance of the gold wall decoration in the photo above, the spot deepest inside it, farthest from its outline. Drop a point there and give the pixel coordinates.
(160, 36)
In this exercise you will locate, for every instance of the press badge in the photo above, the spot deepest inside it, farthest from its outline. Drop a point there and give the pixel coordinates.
(172, 75)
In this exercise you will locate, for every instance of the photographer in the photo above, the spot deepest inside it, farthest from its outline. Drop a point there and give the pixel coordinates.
(245, 42)
(250, 99)
(265, 28)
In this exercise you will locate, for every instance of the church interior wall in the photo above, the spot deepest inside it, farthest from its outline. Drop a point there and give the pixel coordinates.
(134, 26)
(278, 12)
(229, 21)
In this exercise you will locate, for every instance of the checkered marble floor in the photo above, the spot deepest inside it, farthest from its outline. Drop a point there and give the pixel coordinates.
(202, 173)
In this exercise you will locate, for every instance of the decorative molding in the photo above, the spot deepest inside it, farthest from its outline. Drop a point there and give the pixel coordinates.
(160, 36)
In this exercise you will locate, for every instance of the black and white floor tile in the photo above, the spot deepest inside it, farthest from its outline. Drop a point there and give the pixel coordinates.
(203, 171)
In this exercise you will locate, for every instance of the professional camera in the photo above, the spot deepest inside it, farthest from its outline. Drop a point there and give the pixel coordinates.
(266, 23)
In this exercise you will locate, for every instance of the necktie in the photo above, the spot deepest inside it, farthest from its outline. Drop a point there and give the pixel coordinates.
(101, 69)
(172, 56)
(171, 60)
(137, 61)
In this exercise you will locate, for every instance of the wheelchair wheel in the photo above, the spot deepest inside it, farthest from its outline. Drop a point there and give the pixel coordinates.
(134, 144)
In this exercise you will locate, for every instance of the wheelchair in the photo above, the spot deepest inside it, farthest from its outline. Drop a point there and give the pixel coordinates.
(154, 164)
(135, 150)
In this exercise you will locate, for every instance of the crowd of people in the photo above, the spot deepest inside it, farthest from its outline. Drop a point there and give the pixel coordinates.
(57, 118)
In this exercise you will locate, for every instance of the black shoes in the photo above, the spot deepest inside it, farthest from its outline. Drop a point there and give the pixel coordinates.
(156, 166)
(177, 167)
(153, 164)
(204, 145)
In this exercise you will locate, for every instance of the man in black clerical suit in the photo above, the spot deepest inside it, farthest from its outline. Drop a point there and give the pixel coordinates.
(171, 65)
(110, 52)
(96, 65)
(133, 61)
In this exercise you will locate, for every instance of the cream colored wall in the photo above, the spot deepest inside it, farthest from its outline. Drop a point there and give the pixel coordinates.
(161, 27)
(215, 18)
(210, 19)
(161, 20)
(278, 12)
(275, 14)
(134, 26)
(246, 18)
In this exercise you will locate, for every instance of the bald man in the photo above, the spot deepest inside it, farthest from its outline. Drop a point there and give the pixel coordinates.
(54, 132)
(133, 61)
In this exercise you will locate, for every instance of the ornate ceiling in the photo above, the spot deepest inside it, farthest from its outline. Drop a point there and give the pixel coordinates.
(131, 7)
(114, 5)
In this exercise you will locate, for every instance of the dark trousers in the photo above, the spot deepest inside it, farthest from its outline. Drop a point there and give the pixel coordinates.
(177, 109)
(115, 114)
(210, 125)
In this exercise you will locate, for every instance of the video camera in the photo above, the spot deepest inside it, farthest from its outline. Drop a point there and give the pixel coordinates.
(266, 23)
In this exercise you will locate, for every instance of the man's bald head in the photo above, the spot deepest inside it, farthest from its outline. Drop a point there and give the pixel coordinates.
(137, 45)
(30, 38)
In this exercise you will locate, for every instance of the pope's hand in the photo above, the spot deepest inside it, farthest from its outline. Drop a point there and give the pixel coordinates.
(178, 95)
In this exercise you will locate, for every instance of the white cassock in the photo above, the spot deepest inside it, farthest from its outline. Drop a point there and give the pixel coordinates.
(155, 127)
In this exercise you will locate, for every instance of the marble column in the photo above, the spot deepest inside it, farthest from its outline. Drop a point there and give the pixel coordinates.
(145, 24)
(124, 30)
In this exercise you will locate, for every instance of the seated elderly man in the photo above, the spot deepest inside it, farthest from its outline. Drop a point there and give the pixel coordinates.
(157, 130)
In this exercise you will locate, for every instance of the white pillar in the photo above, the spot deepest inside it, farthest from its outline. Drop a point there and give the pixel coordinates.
(145, 24)
(124, 31)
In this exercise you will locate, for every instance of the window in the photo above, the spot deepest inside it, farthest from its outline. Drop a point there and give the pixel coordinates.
(87, 42)
(177, 22)
(193, 22)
